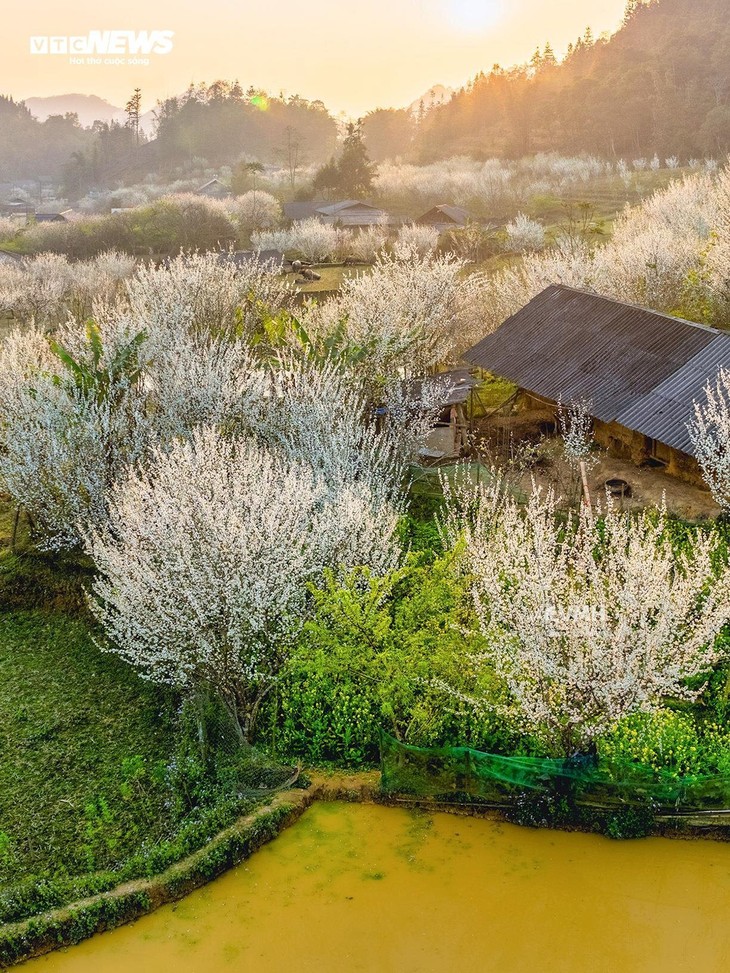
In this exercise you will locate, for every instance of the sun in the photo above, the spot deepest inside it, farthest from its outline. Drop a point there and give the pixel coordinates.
(473, 16)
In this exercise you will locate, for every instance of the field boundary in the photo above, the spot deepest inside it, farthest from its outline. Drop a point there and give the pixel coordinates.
(72, 923)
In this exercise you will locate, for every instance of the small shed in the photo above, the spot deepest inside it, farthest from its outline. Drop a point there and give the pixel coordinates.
(449, 437)
(445, 217)
(640, 370)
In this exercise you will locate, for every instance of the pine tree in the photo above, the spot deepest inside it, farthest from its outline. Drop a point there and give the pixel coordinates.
(133, 108)
(548, 56)
(353, 173)
(356, 170)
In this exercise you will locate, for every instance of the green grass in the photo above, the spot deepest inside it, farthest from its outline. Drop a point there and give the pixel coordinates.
(81, 736)
(332, 278)
(101, 776)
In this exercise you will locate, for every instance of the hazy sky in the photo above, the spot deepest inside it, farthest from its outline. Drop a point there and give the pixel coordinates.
(353, 54)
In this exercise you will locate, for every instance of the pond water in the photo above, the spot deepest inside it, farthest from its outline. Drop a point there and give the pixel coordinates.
(360, 887)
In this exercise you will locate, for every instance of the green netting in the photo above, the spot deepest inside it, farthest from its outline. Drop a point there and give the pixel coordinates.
(448, 773)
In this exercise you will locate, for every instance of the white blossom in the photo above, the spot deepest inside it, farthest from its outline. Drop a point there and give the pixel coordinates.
(587, 622)
(709, 430)
(524, 234)
(205, 563)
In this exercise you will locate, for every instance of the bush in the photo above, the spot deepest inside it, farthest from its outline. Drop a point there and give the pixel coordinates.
(373, 657)
(676, 742)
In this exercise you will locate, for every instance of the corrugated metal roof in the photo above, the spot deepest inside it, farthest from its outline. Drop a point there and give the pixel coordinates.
(638, 367)
(663, 413)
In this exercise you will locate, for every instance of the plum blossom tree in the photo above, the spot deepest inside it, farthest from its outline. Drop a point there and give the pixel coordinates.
(709, 430)
(414, 238)
(64, 441)
(525, 235)
(587, 622)
(197, 291)
(206, 558)
(414, 312)
(255, 210)
(79, 412)
(47, 288)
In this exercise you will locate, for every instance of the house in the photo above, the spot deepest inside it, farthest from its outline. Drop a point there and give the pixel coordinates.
(16, 207)
(53, 217)
(214, 189)
(347, 212)
(640, 370)
(352, 212)
(445, 217)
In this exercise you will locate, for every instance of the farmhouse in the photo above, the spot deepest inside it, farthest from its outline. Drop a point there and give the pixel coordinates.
(347, 212)
(640, 370)
(213, 189)
(445, 217)
(62, 217)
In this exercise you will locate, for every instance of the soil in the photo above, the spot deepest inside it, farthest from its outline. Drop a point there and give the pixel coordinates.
(649, 486)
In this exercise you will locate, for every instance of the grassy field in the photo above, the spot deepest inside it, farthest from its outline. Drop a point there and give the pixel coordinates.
(332, 278)
(82, 738)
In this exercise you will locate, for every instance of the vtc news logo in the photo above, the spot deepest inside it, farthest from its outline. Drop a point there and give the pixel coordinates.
(122, 42)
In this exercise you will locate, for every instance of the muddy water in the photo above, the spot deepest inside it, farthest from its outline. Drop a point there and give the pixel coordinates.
(358, 887)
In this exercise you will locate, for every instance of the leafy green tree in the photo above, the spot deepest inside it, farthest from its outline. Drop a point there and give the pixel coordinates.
(353, 173)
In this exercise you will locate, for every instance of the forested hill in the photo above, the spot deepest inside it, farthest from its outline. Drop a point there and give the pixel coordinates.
(660, 84)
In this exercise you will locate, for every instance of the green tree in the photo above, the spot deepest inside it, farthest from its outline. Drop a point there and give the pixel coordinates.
(353, 173)
(133, 108)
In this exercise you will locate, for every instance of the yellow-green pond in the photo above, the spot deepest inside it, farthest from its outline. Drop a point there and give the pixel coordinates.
(360, 887)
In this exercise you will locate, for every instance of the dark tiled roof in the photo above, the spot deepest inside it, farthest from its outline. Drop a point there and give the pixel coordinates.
(301, 211)
(638, 367)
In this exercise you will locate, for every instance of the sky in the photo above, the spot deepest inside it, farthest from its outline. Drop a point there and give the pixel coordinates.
(355, 55)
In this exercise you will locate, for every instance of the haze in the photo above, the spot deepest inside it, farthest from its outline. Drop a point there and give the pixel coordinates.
(354, 56)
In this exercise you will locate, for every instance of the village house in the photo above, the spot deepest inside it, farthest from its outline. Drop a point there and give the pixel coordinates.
(214, 189)
(347, 212)
(640, 370)
(62, 217)
(445, 217)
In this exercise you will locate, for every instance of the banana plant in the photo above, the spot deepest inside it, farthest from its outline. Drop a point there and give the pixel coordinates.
(92, 376)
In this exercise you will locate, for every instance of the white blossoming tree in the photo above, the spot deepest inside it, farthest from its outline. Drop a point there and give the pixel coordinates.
(66, 435)
(525, 235)
(709, 430)
(77, 414)
(198, 291)
(587, 622)
(412, 311)
(205, 562)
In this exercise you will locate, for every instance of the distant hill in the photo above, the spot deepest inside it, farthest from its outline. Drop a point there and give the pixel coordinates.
(437, 94)
(660, 84)
(89, 108)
